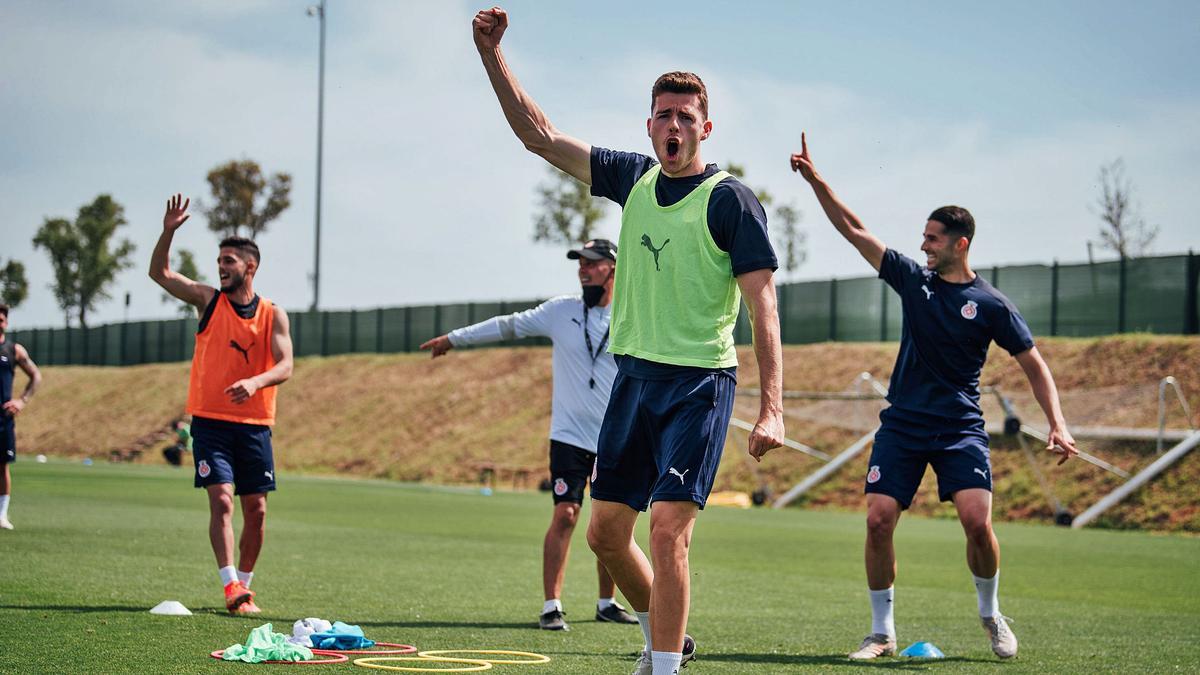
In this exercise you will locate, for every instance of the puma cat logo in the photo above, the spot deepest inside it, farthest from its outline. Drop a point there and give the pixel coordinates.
(673, 472)
(244, 350)
(928, 293)
(650, 245)
(981, 472)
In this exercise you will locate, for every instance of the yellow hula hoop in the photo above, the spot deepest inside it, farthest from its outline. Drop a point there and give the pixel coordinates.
(530, 657)
(475, 664)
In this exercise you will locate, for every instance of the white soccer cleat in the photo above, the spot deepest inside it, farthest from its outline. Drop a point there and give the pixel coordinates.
(5, 524)
(1004, 643)
(873, 646)
(644, 665)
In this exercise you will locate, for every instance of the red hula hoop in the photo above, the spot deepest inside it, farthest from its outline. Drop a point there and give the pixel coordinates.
(340, 658)
(399, 649)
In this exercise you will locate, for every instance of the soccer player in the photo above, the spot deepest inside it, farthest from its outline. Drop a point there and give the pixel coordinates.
(243, 350)
(951, 315)
(694, 242)
(583, 377)
(12, 356)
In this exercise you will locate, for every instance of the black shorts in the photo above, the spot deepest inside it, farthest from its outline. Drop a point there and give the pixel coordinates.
(570, 469)
(906, 442)
(8, 441)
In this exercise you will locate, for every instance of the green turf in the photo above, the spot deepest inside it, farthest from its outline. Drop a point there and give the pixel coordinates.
(442, 568)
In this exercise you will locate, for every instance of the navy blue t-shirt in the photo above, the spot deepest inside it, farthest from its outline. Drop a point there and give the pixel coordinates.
(8, 364)
(736, 221)
(944, 339)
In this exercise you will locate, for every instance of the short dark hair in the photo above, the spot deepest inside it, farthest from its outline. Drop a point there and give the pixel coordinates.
(246, 246)
(3, 309)
(958, 221)
(679, 82)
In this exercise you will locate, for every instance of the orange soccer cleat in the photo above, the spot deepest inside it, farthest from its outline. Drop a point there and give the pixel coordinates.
(237, 595)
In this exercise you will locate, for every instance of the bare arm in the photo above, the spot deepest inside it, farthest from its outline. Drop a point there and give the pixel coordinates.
(847, 224)
(14, 406)
(1042, 383)
(281, 349)
(758, 290)
(527, 120)
(191, 292)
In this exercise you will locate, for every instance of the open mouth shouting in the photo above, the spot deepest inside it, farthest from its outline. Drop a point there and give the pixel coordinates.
(673, 146)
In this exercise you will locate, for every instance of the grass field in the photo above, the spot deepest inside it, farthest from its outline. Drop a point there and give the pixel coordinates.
(773, 592)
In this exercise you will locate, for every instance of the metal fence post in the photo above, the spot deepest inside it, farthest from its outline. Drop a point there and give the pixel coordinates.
(379, 330)
(353, 331)
(324, 333)
(297, 321)
(1191, 320)
(1121, 297)
(996, 277)
(1054, 299)
(833, 309)
(883, 318)
(408, 329)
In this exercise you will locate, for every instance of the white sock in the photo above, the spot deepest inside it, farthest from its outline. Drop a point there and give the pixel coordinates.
(989, 595)
(228, 574)
(552, 606)
(4, 506)
(245, 578)
(666, 663)
(882, 619)
(644, 622)
(604, 603)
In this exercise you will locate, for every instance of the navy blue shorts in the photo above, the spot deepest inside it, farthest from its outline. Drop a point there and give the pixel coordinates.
(661, 440)
(8, 441)
(907, 441)
(230, 452)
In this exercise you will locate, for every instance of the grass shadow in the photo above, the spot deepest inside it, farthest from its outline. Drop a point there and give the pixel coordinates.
(835, 661)
(76, 609)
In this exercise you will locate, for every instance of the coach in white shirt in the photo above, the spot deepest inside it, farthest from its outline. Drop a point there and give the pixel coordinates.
(583, 377)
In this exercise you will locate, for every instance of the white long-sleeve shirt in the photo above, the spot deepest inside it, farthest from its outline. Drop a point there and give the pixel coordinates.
(577, 409)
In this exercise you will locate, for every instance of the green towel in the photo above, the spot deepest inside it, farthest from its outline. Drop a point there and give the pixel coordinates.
(264, 645)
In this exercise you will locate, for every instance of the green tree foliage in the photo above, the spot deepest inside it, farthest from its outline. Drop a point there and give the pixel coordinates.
(13, 286)
(569, 212)
(1123, 229)
(84, 256)
(244, 199)
(789, 239)
(185, 264)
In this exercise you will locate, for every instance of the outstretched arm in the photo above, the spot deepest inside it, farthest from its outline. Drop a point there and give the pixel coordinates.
(527, 120)
(13, 407)
(758, 290)
(281, 349)
(1046, 393)
(848, 224)
(191, 292)
(531, 322)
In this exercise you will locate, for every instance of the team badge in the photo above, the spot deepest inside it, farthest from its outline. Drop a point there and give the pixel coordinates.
(203, 469)
(560, 487)
(874, 474)
(969, 310)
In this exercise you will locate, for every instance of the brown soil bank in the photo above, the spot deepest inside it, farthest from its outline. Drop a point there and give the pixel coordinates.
(404, 417)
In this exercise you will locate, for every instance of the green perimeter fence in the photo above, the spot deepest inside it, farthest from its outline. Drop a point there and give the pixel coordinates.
(1154, 295)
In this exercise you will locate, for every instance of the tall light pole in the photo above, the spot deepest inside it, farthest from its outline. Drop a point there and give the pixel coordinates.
(318, 11)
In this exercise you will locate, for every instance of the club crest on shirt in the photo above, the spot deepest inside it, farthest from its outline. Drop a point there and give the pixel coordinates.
(204, 469)
(874, 474)
(560, 487)
(969, 310)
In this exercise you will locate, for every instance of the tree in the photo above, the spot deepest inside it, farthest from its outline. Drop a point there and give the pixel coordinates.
(244, 198)
(83, 257)
(185, 264)
(1123, 230)
(569, 212)
(13, 286)
(789, 238)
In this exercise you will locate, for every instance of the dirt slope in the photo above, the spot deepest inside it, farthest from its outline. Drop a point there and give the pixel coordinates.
(405, 417)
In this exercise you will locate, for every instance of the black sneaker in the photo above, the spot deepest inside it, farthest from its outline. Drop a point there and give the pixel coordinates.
(553, 620)
(615, 613)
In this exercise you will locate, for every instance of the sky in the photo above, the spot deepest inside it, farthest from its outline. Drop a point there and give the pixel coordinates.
(1006, 108)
